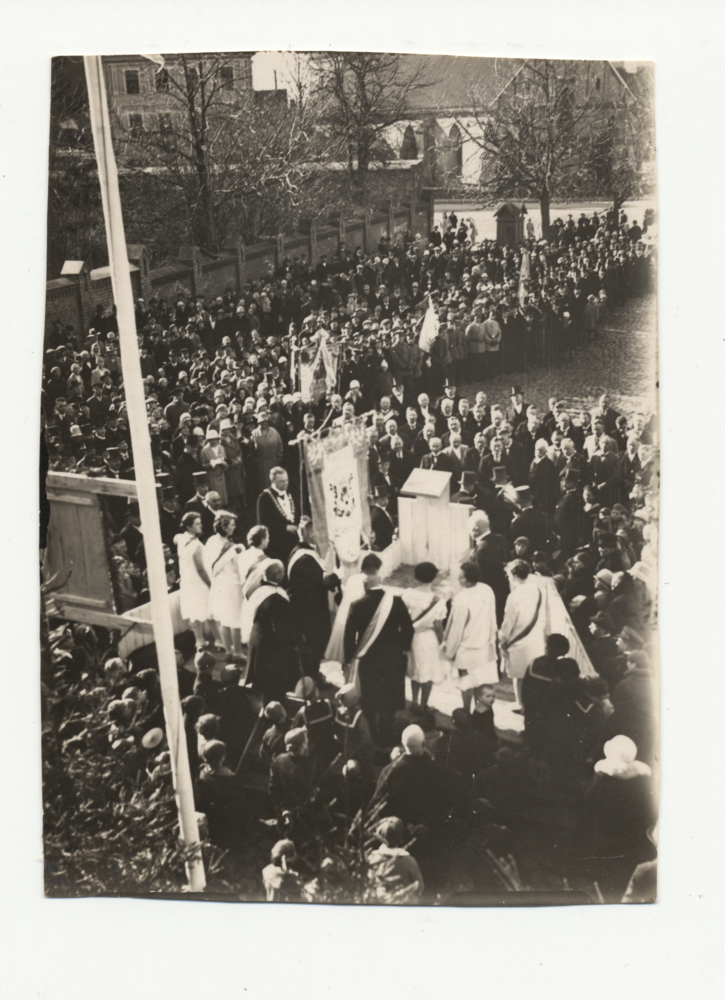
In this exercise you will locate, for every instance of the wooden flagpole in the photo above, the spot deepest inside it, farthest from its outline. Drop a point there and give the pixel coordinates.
(143, 462)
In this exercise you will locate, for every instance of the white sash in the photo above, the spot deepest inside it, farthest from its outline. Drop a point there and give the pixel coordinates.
(298, 555)
(250, 606)
(382, 612)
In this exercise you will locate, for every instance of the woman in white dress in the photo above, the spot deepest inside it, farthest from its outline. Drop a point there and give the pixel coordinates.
(522, 636)
(225, 598)
(427, 611)
(194, 580)
(470, 637)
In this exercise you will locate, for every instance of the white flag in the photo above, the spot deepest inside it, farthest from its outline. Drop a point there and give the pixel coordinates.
(429, 330)
(524, 276)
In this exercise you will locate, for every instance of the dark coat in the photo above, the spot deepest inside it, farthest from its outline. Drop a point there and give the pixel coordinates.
(534, 525)
(416, 789)
(274, 668)
(221, 796)
(382, 524)
(310, 607)
(382, 669)
(490, 556)
(545, 486)
(281, 541)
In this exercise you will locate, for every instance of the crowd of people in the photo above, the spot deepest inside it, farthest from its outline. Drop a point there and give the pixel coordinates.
(560, 498)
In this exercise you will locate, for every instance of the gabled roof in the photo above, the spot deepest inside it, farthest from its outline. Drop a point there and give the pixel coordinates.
(449, 81)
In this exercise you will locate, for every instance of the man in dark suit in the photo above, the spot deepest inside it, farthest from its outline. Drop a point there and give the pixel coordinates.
(516, 410)
(381, 520)
(488, 551)
(531, 523)
(381, 646)
(527, 434)
(515, 454)
(494, 459)
(543, 480)
(437, 458)
(410, 430)
(402, 463)
(570, 520)
(277, 512)
(309, 598)
(468, 489)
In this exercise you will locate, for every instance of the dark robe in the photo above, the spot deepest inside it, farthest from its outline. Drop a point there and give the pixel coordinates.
(490, 556)
(310, 607)
(382, 524)
(274, 666)
(382, 669)
(417, 789)
(281, 541)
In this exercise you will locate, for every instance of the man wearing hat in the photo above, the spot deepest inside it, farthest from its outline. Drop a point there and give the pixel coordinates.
(516, 410)
(205, 503)
(380, 519)
(353, 738)
(570, 519)
(378, 634)
(603, 646)
(468, 489)
(271, 630)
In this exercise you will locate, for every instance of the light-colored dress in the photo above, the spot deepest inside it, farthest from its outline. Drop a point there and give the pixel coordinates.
(251, 565)
(193, 592)
(225, 597)
(470, 638)
(352, 590)
(424, 658)
(524, 605)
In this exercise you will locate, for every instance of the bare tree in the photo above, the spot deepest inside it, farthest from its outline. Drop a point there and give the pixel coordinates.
(223, 162)
(361, 94)
(624, 145)
(535, 136)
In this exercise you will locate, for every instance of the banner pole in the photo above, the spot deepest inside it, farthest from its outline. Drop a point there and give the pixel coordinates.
(143, 462)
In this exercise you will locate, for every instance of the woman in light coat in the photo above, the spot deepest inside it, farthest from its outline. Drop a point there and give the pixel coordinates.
(469, 641)
(522, 636)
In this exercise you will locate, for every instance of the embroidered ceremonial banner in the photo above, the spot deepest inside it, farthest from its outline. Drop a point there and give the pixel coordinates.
(339, 495)
(342, 503)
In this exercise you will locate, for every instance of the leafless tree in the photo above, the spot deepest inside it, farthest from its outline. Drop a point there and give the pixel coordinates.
(536, 135)
(361, 94)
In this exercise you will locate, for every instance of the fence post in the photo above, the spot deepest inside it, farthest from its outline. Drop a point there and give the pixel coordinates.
(190, 255)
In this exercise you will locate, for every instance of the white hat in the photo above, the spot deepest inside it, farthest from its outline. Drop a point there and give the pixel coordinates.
(212, 434)
(354, 384)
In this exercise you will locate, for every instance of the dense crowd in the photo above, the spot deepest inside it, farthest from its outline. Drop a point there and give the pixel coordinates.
(560, 498)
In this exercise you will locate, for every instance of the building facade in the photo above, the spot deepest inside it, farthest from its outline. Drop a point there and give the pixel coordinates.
(144, 95)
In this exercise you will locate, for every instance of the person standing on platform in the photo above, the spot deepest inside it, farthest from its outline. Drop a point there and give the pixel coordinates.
(195, 582)
(225, 598)
(470, 637)
(269, 627)
(489, 553)
(309, 598)
(427, 611)
(522, 636)
(277, 512)
(378, 634)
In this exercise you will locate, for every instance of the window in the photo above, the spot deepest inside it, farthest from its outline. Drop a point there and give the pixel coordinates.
(598, 84)
(132, 82)
(193, 79)
(136, 124)
(162, 81)
(226, 74)
(165, 125)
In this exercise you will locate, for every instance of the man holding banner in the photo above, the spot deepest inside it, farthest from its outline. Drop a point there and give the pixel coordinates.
(378, 634)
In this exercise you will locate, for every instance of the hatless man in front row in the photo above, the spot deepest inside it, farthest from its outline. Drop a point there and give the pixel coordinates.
(378, 634)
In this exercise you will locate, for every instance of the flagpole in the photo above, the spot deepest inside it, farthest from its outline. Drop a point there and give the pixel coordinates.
(143, 463)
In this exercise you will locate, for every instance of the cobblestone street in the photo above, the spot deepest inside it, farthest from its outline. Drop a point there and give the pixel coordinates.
(622, 361)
